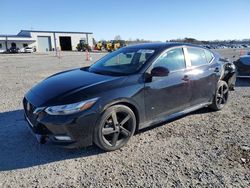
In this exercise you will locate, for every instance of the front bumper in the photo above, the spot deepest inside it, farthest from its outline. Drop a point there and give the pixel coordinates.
(78, 127)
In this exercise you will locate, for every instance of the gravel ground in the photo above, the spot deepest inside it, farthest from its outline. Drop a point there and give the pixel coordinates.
(202, 149)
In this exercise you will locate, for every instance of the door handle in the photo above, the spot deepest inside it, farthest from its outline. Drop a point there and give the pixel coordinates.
(185, 78)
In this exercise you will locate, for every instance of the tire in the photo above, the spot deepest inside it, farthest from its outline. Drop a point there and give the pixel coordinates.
(221, 96)
(115, 128)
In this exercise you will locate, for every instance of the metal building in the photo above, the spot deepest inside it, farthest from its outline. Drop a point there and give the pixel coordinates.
(44, 41)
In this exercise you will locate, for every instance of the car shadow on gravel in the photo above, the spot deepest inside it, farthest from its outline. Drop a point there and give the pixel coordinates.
(19, 148)
(243, 82)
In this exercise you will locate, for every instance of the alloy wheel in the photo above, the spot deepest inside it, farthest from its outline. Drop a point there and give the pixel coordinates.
(222, 95)
(118, 128)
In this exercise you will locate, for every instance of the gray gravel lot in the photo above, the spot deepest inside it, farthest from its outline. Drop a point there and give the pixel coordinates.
(202, 149)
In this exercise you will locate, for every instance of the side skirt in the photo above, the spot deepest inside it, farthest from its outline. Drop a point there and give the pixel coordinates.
(173, 116)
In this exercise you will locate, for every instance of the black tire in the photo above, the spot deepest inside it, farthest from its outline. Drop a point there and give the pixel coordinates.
(221, 96)
(116, 126)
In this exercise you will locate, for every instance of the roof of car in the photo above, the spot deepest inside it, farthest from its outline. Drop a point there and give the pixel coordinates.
(161, 45)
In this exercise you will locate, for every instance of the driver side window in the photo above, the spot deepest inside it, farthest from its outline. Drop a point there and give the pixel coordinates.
(172, 60)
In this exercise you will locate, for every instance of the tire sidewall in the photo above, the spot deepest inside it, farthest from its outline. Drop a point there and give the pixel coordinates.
(215, 106)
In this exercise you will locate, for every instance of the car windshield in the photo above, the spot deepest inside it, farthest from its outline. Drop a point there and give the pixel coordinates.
(122, 62)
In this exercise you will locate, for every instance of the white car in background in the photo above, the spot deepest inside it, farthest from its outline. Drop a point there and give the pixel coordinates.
(27, 50)
(2, 51)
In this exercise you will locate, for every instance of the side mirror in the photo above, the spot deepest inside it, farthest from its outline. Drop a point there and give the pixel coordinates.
(159, 72)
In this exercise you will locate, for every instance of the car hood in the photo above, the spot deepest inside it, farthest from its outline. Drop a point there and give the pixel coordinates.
(69, 87)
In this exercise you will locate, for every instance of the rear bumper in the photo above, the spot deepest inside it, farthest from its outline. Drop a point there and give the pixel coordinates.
(79, 129)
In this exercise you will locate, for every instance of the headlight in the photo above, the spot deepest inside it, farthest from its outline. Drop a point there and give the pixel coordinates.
(71, 108)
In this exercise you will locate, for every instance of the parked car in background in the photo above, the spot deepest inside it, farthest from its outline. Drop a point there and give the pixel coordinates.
(13, 50)
(243, 66)
(27, 50)
(2, 51)
(127, 90)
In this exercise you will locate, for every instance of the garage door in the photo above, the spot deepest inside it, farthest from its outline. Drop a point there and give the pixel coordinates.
(44, 44)
(65, 43)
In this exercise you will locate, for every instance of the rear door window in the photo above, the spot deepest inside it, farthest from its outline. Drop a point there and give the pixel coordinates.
(197, 56)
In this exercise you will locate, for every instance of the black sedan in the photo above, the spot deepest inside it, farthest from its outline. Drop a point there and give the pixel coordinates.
(125, 91)
(243, 66)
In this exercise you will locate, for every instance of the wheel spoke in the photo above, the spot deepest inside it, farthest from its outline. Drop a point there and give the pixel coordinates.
(223, 100)
(125, 132)
(114, 118)
(218, 95)
(221, 90)
(114, 139)
(225, 91)
(219, 101)
(107, 131)
(125, 120)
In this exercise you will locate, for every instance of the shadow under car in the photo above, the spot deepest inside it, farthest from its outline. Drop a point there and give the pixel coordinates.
(19, 148)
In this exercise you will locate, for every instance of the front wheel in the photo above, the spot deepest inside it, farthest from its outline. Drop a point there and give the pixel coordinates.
(116, 126)
(221, 96)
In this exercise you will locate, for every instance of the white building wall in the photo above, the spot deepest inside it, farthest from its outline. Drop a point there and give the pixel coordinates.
(75, 39)
(90, 40)
(2, 46)
(31, 38)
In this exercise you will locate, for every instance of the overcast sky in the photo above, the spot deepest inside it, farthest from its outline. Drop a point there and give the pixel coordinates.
(145, 19)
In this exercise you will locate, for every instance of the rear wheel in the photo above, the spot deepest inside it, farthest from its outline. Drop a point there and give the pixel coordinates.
(115, 128)
(221, 96)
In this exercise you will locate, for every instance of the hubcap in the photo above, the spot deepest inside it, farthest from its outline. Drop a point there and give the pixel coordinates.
(117, 129)
(222, 95)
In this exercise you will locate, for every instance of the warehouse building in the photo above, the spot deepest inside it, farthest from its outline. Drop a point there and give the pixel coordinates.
(44, 41)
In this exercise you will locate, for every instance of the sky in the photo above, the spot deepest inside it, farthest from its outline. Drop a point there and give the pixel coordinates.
(156, 20)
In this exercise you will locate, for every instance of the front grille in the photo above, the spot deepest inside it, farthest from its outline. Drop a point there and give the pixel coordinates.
(29, 109)
(37, 127)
